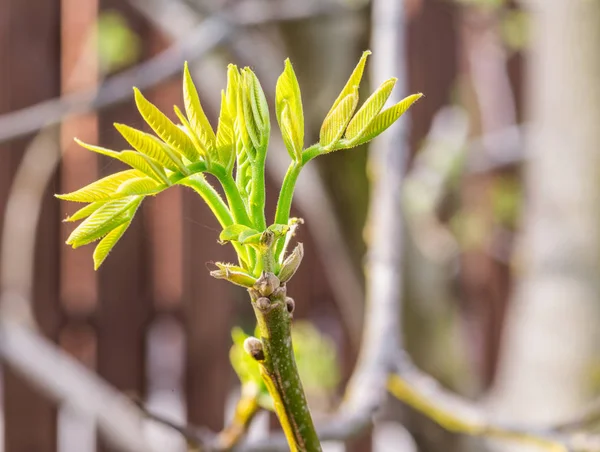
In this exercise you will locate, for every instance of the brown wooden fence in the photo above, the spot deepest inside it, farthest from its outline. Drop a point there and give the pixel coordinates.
(151, 321)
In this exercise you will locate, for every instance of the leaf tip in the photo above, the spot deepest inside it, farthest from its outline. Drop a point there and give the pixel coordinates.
(138, 95)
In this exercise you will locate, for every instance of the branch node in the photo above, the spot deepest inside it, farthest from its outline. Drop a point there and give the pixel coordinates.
(266, 284)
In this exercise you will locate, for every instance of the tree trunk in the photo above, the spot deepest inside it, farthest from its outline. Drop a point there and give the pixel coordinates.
(551, 339)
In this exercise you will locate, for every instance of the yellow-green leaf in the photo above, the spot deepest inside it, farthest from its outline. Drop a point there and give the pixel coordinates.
(370, 109)
(225, 137)
(151, 146)
(250, 237)
(134, 159)
(232, 233)
(145, 164)
(104, 220)
(335, 123)
(102, 189)
(187, 128)
(354, 80)
(386, 118)
(107, 243)
(198, 120)
(288, 106)
(98, 149)
(289, 134)
(85, 212)
(141, 186)
(233, 88)
(165, 128)
(141, 163)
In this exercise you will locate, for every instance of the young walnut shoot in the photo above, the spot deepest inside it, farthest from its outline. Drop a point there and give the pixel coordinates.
(185, 153)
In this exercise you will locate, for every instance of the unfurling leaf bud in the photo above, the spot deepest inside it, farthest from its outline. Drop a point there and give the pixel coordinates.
(266, 284)
(267, 238)
(254, 348)
(256, 110)
(234, 274)
(291, 263)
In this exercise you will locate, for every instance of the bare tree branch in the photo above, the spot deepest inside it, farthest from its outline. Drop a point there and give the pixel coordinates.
(26, 351)
(457, 414)
(212, 32)
(67, 381)
(204, 38)
(386, 167)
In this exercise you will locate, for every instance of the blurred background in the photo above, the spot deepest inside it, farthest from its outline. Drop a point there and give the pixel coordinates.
(501, 230)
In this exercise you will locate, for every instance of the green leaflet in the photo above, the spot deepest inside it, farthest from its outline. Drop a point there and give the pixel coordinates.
(144, 164)
(107, 243)
(233, 87)
(289, 134)
(386, 118)
(193, 109)
(250, 237)
(233, 232)
(354, 80)
(134, 159)
(187, 128)
(369, 110)
(336, 121)
(102, 189)
(104, 220)
(85, 212)
(225, 137)
(164, 128)
(140, 186)
(234, 274)
(150, 146)
(288, 107)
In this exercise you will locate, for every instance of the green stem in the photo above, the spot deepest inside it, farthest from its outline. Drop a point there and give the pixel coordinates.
(311, 152)
(214, 201)
(284, 203)
(281, 377)
(236, 204)
(216, 204)
(257, 198)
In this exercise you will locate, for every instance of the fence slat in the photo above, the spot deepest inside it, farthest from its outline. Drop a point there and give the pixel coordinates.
(30, 419)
